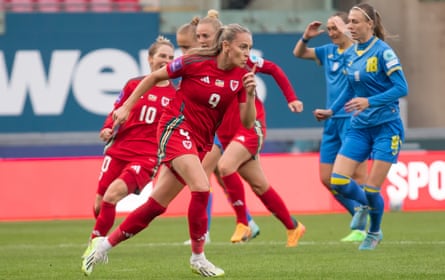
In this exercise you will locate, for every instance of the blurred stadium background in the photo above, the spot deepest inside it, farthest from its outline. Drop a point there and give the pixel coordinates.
(63, 63)
(419, 26)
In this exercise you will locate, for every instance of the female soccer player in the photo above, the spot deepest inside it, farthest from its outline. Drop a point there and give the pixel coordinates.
(241, 156)
(185, 134)
(205, 33)
(377, 81)
(186, 35)
(331, 57)
(131, 151)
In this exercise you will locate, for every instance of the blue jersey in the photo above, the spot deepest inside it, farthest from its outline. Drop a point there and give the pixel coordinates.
(374, 72)
(331, 57)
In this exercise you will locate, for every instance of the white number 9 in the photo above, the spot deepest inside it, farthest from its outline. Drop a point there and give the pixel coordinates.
(214, 99)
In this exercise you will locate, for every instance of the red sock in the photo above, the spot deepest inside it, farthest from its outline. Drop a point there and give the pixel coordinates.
(237, 197)
(197, 218)
(276, 206)
(136, 221)
(105, 219)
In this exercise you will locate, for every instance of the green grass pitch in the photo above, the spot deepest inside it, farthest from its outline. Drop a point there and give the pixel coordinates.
(413, 248)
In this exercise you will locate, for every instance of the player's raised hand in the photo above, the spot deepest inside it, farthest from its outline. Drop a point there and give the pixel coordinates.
(313, 30)
(249, 82)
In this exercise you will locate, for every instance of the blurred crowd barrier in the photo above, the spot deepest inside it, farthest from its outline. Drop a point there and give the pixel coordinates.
(53, 189)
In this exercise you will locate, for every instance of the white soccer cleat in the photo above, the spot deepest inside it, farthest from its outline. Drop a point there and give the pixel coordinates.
(205, 268)
(93, 256)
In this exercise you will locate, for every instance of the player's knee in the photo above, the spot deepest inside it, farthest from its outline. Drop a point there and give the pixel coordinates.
(337, 181)
(225, 170)
(326, 181)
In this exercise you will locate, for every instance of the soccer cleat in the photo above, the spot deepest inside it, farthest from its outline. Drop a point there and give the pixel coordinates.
(242, 234)
(360, 218)
(189, 242)
(87, 250)
(355, 236)
(254, 229)
(93, 256)
(371, 241)
(293, 235)
(205, 268)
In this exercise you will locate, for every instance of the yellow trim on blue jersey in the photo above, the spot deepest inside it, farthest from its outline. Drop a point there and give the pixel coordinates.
(392, 70)
(361, 52)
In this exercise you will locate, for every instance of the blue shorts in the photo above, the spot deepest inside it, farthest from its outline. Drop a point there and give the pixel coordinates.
(334, 133)
(381, 142)
(218, 143)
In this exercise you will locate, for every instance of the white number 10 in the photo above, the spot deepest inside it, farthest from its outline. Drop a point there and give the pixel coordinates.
(148, 114)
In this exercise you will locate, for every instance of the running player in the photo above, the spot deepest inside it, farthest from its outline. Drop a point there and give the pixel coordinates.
(185, 134)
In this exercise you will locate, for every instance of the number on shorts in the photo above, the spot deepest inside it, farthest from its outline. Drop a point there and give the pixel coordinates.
(105, 164)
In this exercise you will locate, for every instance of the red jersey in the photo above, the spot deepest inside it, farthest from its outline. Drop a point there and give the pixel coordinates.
(268, 67)
(231, 122)
(204, 95)
(136, 138)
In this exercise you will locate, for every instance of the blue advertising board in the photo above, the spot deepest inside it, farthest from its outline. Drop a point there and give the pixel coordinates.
(62, 72)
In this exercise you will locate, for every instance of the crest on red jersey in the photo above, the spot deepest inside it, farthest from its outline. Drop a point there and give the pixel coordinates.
(234, 85)
(165, 101)
(187, 144)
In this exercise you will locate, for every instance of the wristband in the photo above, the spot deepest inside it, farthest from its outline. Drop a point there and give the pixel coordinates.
(304, 40)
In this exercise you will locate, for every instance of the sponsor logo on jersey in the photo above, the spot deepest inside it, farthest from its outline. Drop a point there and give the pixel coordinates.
(392, 63)
(389, 55)
(205, 79)
(176, 65)
(259, 61)
(136, 168)
(219, 83)
(119, 98)
(241, 138)
(234, 85)
(152, 97)
(390, 58)
(335, 66)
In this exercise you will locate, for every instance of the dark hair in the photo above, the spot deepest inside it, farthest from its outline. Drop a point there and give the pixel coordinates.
(371, 14)
(342, 15)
